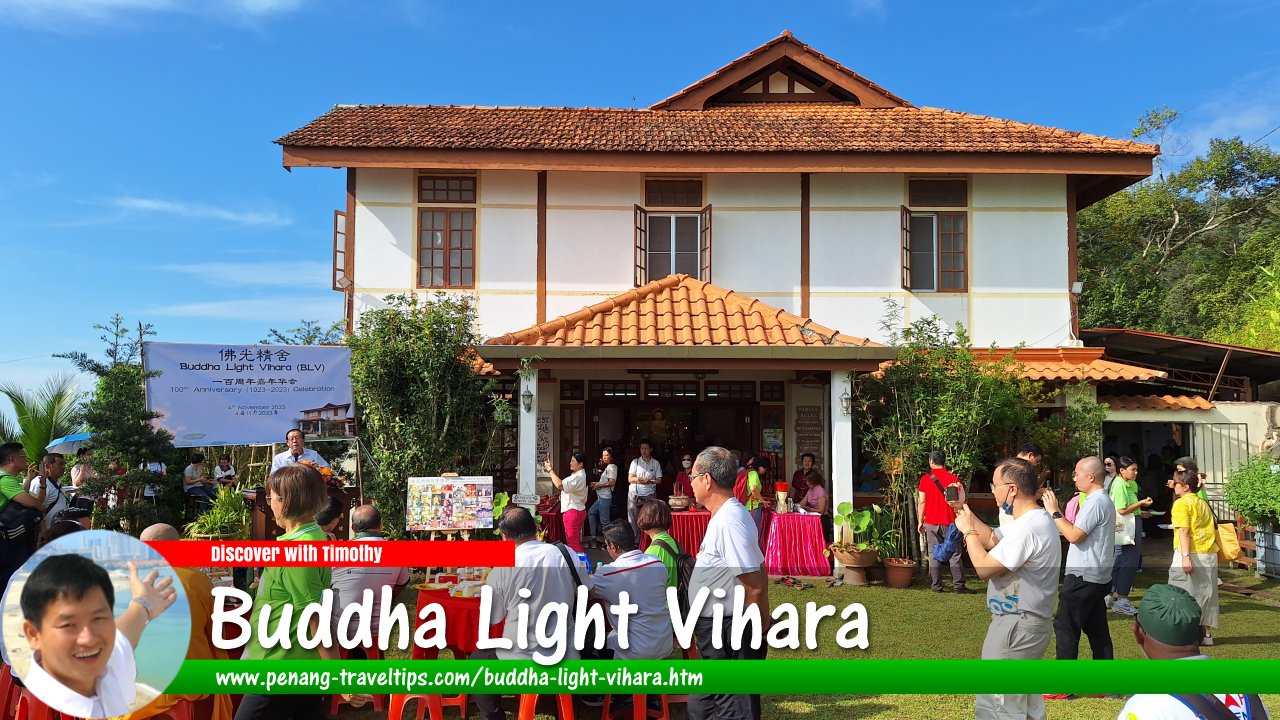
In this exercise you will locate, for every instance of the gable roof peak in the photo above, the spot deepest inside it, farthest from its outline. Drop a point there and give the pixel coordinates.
(783, 47)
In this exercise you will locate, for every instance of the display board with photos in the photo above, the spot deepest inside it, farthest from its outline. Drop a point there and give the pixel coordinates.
(449, 503)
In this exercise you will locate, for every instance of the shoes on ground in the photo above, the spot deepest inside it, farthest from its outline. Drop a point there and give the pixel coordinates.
(962, 590)
(1123, 606)
(1207, 641)
(1110, 600)
(938, 588)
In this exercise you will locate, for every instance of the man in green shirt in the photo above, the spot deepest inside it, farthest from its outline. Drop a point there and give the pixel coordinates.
(14, 550)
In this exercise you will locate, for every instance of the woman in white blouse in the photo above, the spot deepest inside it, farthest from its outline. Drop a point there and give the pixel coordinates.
(573, 498)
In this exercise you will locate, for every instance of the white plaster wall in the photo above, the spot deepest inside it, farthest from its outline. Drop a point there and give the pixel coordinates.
(385, 246)
(590, 249)
(861, 190)
(507, 243)
(509, 187)
(1013, 252)
(1007, 321)
(504, 313)
(754, 190)
(384, 185)
(950, 308)
(854, 251)
(758, 254)
(857, 316)
(1252, 414)
(1041, 191)
(621, 190)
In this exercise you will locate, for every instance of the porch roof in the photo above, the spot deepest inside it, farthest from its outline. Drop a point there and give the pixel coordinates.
(1075, 365)
(680, 311)
(1156, 402)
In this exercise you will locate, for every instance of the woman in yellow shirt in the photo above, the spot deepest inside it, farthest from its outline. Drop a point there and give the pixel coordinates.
(1195, 550)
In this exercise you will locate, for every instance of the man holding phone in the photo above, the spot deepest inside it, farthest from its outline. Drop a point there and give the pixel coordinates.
(935, 516)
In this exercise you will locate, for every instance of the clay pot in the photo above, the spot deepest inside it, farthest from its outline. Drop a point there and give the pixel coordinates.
(856, 576)
(857, 558)
(899, 572)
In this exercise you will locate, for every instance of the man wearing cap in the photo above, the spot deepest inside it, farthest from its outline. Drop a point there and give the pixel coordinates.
(1168, 628)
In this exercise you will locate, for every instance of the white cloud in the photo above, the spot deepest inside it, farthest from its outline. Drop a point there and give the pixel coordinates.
(269, 273)
(1246, 108)
(197, 211)
(868, 8)
(59, 15)
(280, 310)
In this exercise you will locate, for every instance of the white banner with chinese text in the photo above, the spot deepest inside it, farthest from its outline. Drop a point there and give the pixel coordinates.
(245, 394)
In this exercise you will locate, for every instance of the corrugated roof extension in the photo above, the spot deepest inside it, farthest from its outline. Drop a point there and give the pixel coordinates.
(679, 310)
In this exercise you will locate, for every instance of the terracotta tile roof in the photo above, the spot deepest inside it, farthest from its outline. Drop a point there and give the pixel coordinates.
(746, 128)
(1156, 402)
(1075, 364)
(679, 310)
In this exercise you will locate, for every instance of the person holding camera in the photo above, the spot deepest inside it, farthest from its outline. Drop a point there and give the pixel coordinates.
(1019, 561)
(935, 516)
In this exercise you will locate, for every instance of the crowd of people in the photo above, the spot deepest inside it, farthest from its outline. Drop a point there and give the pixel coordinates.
(645, 481)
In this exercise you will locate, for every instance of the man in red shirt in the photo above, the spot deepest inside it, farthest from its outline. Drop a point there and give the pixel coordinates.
(936, 516)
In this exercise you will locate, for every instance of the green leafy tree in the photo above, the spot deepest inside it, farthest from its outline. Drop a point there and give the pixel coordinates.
(51, 411)
(1176, 252)
(117, 416)
(424, 409)
(309, 332)
(939, 394)
(1067, 436)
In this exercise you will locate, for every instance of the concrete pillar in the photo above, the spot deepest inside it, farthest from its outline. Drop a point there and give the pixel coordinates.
(527, 454)
(840, 458)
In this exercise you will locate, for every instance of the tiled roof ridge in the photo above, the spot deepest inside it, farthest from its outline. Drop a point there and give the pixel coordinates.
(786, 37)
(754, 314)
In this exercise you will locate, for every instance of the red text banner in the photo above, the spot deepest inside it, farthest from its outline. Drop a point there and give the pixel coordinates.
(415, 553)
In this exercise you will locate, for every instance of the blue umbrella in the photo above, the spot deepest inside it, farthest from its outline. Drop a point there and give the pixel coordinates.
(69, 444)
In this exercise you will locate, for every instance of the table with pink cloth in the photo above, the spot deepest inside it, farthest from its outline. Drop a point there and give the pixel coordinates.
(796, 545)
(552, 526)
(687, 528)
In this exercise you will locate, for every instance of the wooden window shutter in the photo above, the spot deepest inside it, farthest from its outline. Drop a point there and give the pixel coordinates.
(906, 248)
(341, 252)
(642, 246)
(704, 272)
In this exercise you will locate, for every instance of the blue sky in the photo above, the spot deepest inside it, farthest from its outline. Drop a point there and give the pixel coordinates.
(138, 173)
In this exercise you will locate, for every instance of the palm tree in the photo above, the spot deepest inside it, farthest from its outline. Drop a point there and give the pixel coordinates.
(51, 411)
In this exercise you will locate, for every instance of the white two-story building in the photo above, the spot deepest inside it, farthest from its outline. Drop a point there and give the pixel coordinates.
(711, 269)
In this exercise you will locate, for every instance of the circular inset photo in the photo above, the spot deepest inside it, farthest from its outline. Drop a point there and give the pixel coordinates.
(96, 624)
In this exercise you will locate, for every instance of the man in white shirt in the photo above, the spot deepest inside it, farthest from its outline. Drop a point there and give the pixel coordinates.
(1082, 599)
(90, 673)
(644, 475)
(350, 582)
(729, 557)
(1167, 627)
(549, 576)
(1020, 561)
(644, 579)
(297, 452)
(51, 469)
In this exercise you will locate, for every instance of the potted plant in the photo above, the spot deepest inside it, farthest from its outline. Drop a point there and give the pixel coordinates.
(1253, 490)
(226, 519)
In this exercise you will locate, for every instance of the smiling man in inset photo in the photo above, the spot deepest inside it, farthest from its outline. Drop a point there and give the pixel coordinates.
(83, 656)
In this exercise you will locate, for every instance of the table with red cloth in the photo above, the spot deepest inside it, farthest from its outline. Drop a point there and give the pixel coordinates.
(552, 526)
(687, 528)
(462, 626)
(796, 545)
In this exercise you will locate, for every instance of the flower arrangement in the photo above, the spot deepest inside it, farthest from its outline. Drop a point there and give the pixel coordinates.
(330, 479)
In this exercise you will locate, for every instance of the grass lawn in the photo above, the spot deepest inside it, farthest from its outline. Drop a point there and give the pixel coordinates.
(918, 623)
